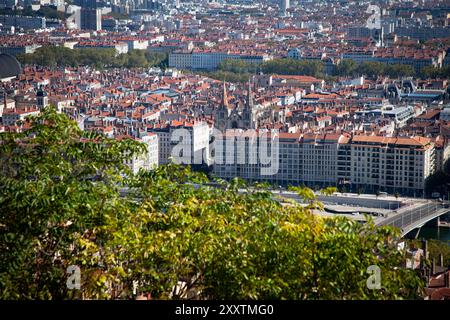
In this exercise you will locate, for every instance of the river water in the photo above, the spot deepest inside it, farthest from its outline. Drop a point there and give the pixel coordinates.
(431, 231)
(434, 232)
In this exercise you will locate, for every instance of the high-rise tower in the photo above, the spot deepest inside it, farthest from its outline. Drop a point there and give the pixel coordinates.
(90, 15)
(284, 6)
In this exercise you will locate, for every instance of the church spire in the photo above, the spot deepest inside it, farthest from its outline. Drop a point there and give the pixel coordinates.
(249, 103)
(247, 113)
(224, 95)
(41, 97)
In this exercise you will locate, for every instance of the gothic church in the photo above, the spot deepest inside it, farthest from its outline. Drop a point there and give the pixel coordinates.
(232, 118)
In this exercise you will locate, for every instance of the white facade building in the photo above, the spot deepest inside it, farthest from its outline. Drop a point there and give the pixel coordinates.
(399, 115)
(11, 116)
(284, 6)
(360, 163)
(394, 164)
(186, 143)
(209, 60)
(148, 160)
(180, 60)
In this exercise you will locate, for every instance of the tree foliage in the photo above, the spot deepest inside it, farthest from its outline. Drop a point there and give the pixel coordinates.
(238, 66)
(432, 72)
(157, 59)
(58, 185)
(235, 70)
(228, 76)
(435, 249)
(294, 67)
(373, 69)
(99, 58)
(67, 199)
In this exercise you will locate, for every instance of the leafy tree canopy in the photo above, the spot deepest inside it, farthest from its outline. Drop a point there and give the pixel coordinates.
(349, 67)
(432, 72)
(62, 203)
(235, 70)
(55, 56)
(294, 67)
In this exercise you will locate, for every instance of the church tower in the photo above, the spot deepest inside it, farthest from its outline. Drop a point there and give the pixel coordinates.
(41, 98)
(247, 113)
(222, 113)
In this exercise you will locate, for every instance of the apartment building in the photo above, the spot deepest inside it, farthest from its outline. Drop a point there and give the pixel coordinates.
(391, 164)
(245, 154)
(417, 59)
(148, 160)
(11, 116)
(164, 145)
(91, 19)
(152, 156)
(180, 60)
(184, 142)
(399, 115)
(318, 156)
(136, 44)
(22, 22)
(365, 32)
(209, 60)
(18, 49)
(359, 163)
(423, 32)
(442, 151)
(359, 56)
(120, 47)
(281, 159)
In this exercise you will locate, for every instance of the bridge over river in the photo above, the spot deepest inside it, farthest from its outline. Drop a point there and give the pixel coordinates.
(407, 214)
(415, 218)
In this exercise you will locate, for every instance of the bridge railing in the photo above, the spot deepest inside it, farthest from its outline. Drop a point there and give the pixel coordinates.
(405, 219)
